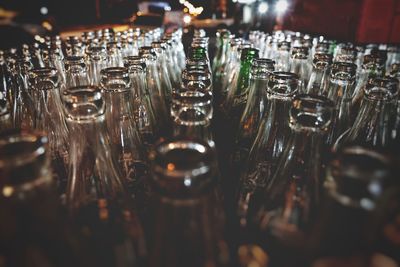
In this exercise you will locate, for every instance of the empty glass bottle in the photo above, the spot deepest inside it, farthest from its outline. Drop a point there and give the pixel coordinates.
(51, 121)
(100, 209)
(125, 142)
(32, 226)
(183, 180)
(159, 49)
(376, 119)
(76, 72)
(114, 54)
(157, 93)
(291, 198)
(373, 66)
(282, 56)
(144, 115)
(196, 78)
(339, 90)
(97, 60)
(299, 65)
(355, 185)
(221, 56)
(192, 113)
(271, 140)
(319, 76)
(239, 92)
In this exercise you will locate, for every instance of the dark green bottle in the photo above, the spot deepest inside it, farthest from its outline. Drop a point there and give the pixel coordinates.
(239, 91)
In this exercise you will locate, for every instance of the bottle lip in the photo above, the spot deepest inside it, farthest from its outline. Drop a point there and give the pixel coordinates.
(44, 79)
(343, 70)
(196, 75)
(249, 53)
(311, 113)
(83, 104)
(358, 175)
(381, 88)
(182, 168)
(115, 79)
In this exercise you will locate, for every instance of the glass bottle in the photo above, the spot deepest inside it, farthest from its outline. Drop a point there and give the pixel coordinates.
(24, 110)
(169, 60)
(261, 70)
(100, 209)
(320, 73)
(51, 121)
(282, 56)
(32, 227)
(373, 66)
(97, 60)
(355, 185)
(341, 83)
(292, 196)
(270, 141)
(144, 115)
(192, 113)
(299, 65)
(195, 79)
(114, 52)
(221, 55)
(157, 93)
(239, 92)
(125, 141)
(375, 121)
(74, 46)
(76, 72)
(162, 68)
(183, 180)
(56, 60)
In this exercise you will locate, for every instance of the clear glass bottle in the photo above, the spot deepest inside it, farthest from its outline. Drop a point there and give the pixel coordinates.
(375, 121)
(183, 181)
(356, 183)
(125, 141)
(192, 113)
(24, 109)
(76, 72)
(144, 115)
(157, 93)
(100, 209)
(33, 231)
(319, 76)
(97, 60)
(299, 65)
(282, 56)
(50, 120)
(114, 52)
(270, 141)
(341, 83)
(196, 78)
(221, 55)
(373, 66)
(74, 46)
(159, 49)
(292, 197)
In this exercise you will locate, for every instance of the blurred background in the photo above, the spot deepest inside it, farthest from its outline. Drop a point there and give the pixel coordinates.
(359, 21)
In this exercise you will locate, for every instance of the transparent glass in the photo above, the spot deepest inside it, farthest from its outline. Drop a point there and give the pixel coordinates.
(269, 144)
(221, 56)
(144, 115)
(125, 141)
(162, 68)
(32, 225)
(51, 121)
(376, 119)
(76, 72)
(100, 209)
(300, 66)
(97, 60)
(319, 76)
(184, 181)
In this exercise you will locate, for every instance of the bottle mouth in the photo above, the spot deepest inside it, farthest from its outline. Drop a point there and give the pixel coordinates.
(196, 75)
(382, 88)
(343, 71)
(322, 60)
(83, 104)
(300, 52)
(97, 52)
(262, 67)
(22, 156)
(44, 78)
(311, 113)
(357, 176)
(249, 53)
(371, 61)
(199, 100)
(72, 62)
(115, 79)
(182, 168)
(161, 45)
(283, 84)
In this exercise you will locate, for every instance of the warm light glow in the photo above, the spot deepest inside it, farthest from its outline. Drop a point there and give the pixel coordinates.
(263, 7)
(47, 25)
(281, 6)
(170, 166)
(187, 19)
